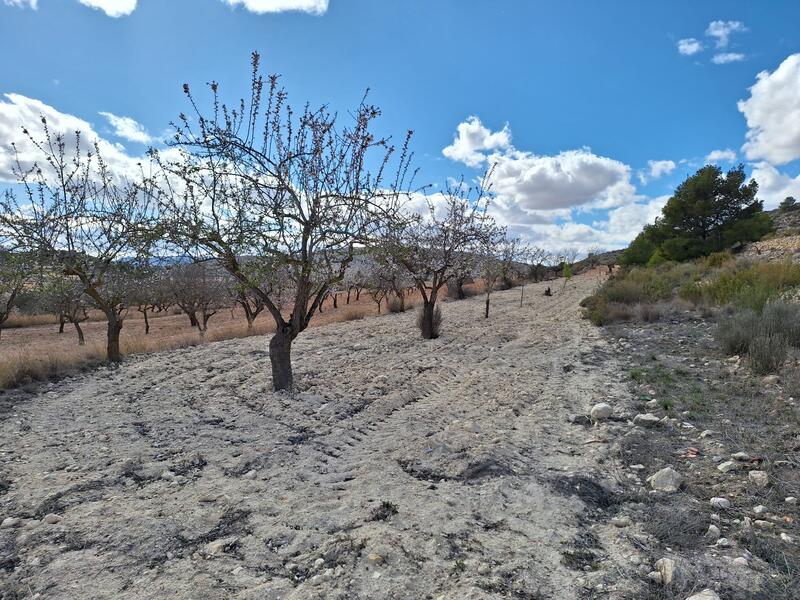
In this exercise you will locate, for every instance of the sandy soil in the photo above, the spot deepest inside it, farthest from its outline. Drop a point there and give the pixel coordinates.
(401, 468)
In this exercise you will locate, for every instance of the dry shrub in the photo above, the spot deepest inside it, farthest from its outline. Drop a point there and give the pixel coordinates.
(767, 353)
(782, 318)
(353, 314)
(650, 313)
(17, 320)
(791, 382)
(396, 305)
(734, 333)
(602, 312)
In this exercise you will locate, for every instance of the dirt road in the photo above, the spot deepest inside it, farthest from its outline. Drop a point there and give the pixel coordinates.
(402, 468)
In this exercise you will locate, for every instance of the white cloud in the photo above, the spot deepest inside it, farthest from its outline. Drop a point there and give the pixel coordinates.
(473, 139)
(19, 111)
(112, 8)
(774, 186)
(22, 3)
(314, 7)
(690, 46)
(659, 168)
(721, 30)
(127, 128)
(726, 155)
(616, 230)
(724, 58)
(570, 179)
(773, 114)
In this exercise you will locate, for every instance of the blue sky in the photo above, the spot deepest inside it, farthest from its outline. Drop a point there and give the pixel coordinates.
(592, 111)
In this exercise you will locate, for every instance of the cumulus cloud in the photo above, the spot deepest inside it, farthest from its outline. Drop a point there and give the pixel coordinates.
(690, 46)
(314, 7)
(112, 8)
(22, 3)
(127, 128)
(722, 30)
(774, 186)
(724, 58)
(473, 139)
(121, 8)
(773, 114)
(659, 168)
(726, 155)
(19, 111)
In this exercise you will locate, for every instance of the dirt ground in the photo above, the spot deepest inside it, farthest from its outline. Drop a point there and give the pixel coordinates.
(401, 468)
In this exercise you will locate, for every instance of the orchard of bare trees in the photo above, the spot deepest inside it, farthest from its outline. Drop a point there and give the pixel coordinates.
(254, 207)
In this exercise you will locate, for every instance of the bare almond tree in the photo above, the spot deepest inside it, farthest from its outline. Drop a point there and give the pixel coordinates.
(64, 297)
(81, 219)
(15, 273)
(200, 290)
(435, 247)
(289, 191)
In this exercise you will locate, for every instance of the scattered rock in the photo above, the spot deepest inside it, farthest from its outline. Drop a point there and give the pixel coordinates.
(601, 411)
(374, 558)
(655, 576)
(221, 546)
(251, 474)
(790, 500)
(706, 433)
(741, 456)
(787, 538)
(727, 466)
(770, 380)
(651, 404)
(760, 478)
(9, 522)
(724, 542)
(168, 475)
(713, 533)
(51, 519)
(666, 480)
(472, 427)
(763, 524)
(760, 509)
(706, 594)
(741, 561)
(621, 522)
(319, 563)
(646, 420)
(670, 572)
(722, 503)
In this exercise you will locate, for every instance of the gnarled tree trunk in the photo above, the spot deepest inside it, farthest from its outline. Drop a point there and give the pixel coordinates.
(112, 336)
(280, 356)
(81, 341)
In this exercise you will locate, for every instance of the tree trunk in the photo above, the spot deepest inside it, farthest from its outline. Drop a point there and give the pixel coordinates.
(61, 322)
(486, 314)
(335, 304)
(427, 320)
(81, 341)
(193, 319)
(250, 318)
(280, 355)
(146, 322)
(112, 346)
(521, 296)
(348, 296)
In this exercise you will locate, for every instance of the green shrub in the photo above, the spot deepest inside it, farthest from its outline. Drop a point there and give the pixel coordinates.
(782, 318)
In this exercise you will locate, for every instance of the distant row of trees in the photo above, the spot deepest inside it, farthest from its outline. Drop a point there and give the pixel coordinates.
(272, 204)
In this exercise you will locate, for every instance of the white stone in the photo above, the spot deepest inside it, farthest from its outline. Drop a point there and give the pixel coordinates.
(666, 480)
(787, 538)
(760, 478)
(723, 503)
(601, 411)
(724, 543)
(713, 532)
(670, 571)
(727, 466)
(742, 456)
(706, 594)
(760, 509)
(646, 420)
(790, 500)
(9, 522)
(740, 561)
(51, 519)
